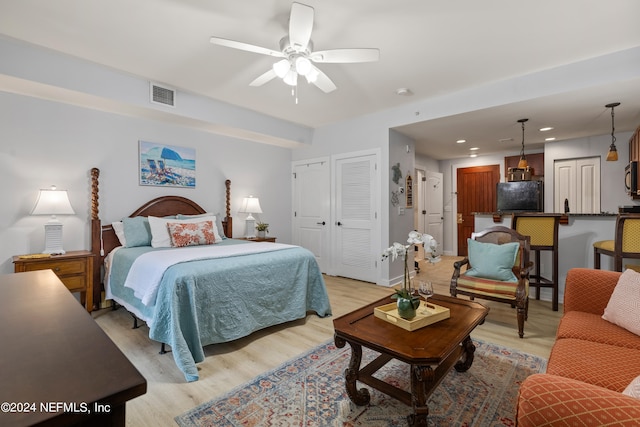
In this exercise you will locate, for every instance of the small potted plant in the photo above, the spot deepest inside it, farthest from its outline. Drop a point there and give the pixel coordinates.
(262, 228)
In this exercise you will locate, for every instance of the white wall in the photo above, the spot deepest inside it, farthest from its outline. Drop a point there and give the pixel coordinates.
(45, 143)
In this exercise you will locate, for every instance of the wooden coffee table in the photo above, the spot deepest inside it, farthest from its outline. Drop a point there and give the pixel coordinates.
(431, 351)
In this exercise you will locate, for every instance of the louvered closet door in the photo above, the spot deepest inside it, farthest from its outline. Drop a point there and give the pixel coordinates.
(356, 218)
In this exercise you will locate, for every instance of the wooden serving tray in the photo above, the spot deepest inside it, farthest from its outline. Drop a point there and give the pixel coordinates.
(424, 315)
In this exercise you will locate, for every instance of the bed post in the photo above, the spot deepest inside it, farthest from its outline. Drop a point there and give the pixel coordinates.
(96, 239)
(229, 222)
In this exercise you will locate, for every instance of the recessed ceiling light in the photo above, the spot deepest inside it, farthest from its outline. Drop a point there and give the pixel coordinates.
(461, 141)
(553, 138)
(403, 91)
(473, 155)
(474, 148)
(546, 129)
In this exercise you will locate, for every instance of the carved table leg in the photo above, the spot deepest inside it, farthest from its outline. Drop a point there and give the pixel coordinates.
(359, 397)
(422, 378)
(467, 358)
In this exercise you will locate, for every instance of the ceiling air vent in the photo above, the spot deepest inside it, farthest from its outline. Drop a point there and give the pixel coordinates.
(163, 95)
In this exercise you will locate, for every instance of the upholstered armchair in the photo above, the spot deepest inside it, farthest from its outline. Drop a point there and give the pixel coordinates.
(498, 269)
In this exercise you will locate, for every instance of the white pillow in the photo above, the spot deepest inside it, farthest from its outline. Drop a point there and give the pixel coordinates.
(118, 228)
(623, 307)
(160, 237)
(633, 389)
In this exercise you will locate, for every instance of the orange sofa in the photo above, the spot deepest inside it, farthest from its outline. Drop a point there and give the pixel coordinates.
(591, 363)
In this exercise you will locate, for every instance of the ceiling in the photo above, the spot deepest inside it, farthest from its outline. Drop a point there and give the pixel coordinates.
(432, 47)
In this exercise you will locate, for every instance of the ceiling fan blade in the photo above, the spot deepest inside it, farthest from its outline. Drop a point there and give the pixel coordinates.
(264, 78)
(245, 46)
(345, 55)
(323, 82)
(300, 26)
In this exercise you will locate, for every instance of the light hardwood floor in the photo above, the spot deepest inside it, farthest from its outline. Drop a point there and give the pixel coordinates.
(231, 364)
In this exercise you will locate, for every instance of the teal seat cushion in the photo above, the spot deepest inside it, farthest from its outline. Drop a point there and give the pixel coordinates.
(491, 261)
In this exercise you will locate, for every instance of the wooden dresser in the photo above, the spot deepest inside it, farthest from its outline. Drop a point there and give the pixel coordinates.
(59, 368)
(74, 268)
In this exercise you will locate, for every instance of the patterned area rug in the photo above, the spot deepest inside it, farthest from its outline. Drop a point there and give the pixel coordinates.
(310, 391)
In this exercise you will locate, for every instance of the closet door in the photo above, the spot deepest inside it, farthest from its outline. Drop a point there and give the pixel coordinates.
(311, 208)
(356, 247)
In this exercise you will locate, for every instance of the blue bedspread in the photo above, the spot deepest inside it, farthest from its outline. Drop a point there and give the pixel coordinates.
(218, 300)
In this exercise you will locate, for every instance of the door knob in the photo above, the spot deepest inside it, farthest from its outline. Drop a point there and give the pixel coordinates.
(338, 223)
(321, 223)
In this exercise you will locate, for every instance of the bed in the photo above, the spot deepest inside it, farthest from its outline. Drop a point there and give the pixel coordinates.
(198, 295)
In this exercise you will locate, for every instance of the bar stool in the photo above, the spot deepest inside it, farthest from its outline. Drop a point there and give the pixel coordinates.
(543, 229)
(626, 243)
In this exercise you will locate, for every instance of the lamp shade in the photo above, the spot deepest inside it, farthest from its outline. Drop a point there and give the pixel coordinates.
(53, 202)
(250, 205)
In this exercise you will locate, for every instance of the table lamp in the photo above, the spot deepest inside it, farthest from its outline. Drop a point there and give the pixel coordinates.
(250, 205)
(53, 202)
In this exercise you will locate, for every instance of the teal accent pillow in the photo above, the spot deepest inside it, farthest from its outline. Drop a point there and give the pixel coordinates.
(491, 261)
(137, 231)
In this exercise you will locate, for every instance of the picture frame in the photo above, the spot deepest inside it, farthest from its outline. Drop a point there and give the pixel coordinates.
(166, 165)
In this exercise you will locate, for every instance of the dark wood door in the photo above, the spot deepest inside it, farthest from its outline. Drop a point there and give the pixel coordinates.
(476, 190)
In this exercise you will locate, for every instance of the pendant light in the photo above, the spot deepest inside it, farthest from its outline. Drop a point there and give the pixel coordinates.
(522, 164)
(612, 155)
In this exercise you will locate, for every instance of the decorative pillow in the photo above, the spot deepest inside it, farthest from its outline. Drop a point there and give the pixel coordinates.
(191, 234)
(160, 237)
(136, 231)
(623, 308)
(118, 228)
(219, 227)
(633, 389)
(491, 261)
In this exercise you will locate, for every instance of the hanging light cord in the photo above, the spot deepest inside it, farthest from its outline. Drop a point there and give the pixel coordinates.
(522, 151)
(613, 138)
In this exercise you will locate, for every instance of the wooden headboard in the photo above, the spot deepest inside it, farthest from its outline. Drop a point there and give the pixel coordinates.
(104, 239)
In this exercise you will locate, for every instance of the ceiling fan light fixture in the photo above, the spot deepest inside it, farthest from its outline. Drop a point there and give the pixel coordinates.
(291, 78)
(281, 68)
(303, 65)
(312, 75)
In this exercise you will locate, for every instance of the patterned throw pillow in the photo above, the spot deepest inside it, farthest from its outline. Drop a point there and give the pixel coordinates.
(633, 389)
(623, 308)
(191, 234)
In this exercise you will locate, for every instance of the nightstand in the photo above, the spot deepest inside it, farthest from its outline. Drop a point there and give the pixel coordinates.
(74, 268)
(259, 239)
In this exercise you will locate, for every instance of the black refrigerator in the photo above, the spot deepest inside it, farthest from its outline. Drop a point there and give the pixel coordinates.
(520, 196)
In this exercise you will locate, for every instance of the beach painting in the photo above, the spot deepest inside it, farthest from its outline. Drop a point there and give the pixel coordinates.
(167, 165)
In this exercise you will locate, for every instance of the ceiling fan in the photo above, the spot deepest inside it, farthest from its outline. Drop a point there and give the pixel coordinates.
(296, 49)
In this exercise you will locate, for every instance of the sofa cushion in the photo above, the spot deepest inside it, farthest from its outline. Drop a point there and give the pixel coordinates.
(633, 389)
(591, 327)
(623, 308)
(595, 363)
(589, 290)
(549, 400)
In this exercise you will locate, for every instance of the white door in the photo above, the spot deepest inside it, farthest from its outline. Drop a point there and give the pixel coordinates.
(578, 182)
(311, 208)
(434, 210)
(356, 248)
(429, 212)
